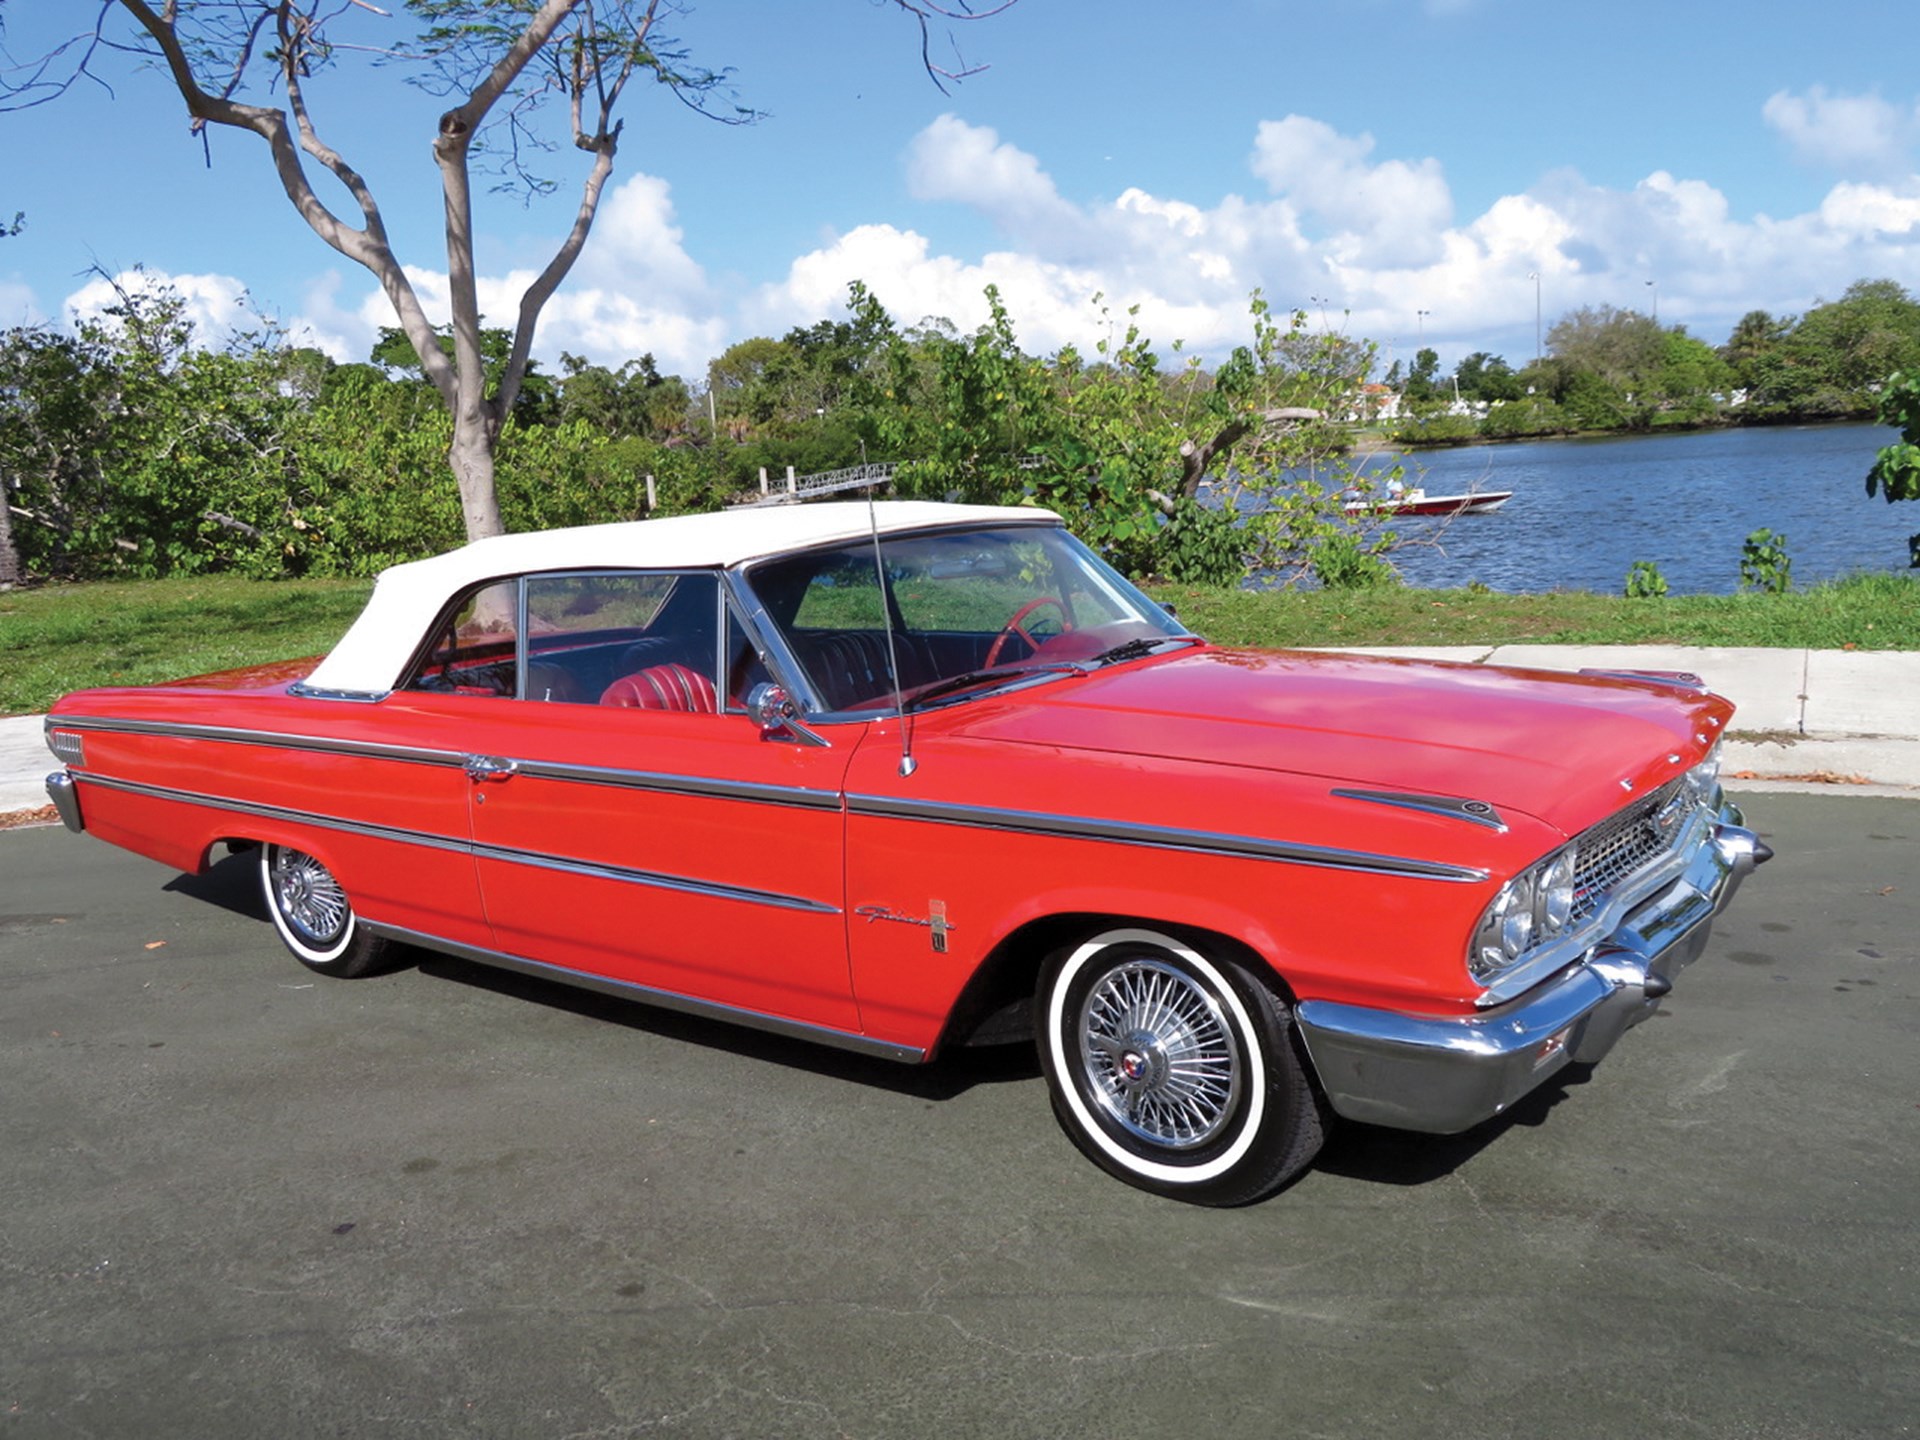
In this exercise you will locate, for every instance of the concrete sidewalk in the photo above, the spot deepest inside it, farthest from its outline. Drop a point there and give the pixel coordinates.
(1829, 721)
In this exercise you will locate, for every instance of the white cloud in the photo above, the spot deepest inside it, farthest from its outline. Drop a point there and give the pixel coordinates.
(968, 164)
(1854, 134)
(1376, 238)
(1391, 213)
(217, 305)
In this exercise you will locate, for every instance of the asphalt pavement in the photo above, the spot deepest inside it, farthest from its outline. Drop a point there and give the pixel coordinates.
(1820, 720)
(241, 1200)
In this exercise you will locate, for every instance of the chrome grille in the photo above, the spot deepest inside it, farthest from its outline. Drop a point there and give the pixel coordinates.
(1620, 846)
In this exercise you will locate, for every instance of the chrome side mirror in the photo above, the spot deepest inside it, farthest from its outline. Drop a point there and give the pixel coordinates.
(773, 710)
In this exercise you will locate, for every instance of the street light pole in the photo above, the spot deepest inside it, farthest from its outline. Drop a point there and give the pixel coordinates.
(1535, 278)
(1654, 291)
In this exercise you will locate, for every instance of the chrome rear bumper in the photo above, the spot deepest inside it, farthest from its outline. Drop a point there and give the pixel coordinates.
(65, 796)
(1444, 1074)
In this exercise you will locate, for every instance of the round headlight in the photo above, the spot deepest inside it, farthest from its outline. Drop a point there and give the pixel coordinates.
(1556, 893)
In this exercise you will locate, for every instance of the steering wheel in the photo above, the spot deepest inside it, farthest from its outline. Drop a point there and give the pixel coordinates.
(1014, 627)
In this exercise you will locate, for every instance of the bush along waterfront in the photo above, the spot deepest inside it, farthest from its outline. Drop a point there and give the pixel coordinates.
(132, 447)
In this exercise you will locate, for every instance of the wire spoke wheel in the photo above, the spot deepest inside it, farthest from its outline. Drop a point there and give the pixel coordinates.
(315, 918)
(1162, 1060)
(309, 897)
(1175, 1069)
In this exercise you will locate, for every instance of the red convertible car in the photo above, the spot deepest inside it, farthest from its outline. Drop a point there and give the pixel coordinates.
(908, 776)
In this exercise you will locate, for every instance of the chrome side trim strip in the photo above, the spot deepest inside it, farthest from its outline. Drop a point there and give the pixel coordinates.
(463, 847)
(1158, 837)
(711, 889)
(326, 744)
(697, 785)
(1475, 812)
(277, 812)
(664, 999)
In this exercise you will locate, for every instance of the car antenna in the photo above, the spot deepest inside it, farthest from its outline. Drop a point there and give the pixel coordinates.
(907, 763)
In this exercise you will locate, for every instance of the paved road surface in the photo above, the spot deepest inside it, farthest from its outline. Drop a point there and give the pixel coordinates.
(240, 1201)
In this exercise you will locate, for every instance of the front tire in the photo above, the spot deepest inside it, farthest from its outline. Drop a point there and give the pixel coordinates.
(314, 917)
(1175, 1071)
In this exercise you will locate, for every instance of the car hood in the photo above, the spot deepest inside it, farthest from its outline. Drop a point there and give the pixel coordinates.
(1567, 749)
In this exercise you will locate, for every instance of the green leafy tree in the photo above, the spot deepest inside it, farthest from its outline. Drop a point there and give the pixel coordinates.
(1833, 361)
(1487, 377)
(1623, 348)
(1754, 337)
(1420, 388)
(504, 69)
(1896, 471)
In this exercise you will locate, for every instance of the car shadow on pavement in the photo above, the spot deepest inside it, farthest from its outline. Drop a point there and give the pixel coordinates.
(233, 885)
(953, 1074)
(1356, 1151)
(1406, 1157)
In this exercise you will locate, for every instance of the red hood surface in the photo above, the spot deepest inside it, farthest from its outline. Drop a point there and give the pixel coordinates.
(1554, 745)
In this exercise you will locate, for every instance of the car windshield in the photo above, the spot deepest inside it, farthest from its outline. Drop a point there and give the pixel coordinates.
(992, 603)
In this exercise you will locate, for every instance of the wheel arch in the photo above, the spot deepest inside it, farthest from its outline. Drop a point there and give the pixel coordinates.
(996, 1004)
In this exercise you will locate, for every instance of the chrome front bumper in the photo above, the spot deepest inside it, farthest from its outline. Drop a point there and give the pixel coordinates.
(1444, 1074)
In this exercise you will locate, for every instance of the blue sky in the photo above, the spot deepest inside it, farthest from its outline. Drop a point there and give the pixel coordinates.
(1398, 168)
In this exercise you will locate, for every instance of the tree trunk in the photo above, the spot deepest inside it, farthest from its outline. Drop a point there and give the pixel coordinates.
(9, 561)
(471, 456)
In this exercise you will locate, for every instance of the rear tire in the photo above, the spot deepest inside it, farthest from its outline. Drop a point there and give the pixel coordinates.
(314, 917)
(1175, 1071)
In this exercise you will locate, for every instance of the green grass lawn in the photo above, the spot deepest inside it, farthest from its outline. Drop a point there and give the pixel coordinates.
(66, 637)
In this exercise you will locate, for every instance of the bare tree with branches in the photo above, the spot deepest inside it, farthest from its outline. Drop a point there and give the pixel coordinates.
(499, 63)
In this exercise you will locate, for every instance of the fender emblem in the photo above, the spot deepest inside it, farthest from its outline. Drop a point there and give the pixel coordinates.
(935, 922)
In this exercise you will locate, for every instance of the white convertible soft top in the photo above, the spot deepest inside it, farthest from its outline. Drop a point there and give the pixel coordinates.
(406, 598)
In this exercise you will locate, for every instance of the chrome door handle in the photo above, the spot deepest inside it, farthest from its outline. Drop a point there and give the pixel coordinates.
(489, 767)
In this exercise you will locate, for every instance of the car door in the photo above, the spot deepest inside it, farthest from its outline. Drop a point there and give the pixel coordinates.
(631, 822)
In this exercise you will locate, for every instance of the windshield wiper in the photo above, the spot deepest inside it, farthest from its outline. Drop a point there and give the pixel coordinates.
(1142, 645)
(998, 674)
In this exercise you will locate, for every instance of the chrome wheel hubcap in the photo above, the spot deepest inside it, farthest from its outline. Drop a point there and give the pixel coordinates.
(311, 900)
(1159, 1055)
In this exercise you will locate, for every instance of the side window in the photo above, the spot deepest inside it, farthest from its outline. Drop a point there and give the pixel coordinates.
(474, 652)
(642, 640)
(744, 667)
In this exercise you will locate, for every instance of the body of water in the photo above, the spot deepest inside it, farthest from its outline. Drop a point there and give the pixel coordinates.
(1584, 510)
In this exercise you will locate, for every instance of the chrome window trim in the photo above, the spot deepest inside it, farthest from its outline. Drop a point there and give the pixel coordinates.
(399, 835)
(300, 689)
(664, 999)
(1159, 837)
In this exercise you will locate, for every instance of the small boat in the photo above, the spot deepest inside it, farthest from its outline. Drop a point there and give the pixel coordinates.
(1418, 502)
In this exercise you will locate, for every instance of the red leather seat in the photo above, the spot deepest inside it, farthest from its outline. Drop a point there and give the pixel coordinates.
(664, 687)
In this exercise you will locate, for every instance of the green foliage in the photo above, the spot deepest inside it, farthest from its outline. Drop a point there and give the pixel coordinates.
(1486, 377)
(1764, 563)
(1522, 419)
(1437, 429)
(1896, 470)
(1340, 562)
(1645, 582)
(1831, 362)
